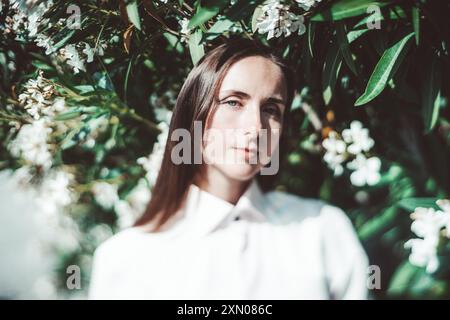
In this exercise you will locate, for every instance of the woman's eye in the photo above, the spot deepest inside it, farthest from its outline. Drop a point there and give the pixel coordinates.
(273, 111)
(232, 103)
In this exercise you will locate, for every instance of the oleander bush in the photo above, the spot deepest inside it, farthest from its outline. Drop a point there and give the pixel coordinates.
(87, 89)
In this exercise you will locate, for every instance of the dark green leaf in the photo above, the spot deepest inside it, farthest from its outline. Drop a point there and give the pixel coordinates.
(384, 71)
(345, 46)
(346, 9)
(416, 23)
(133, 14)
(242, 9)
(64, 40)
(206, 11)
(410, 204)
(333, 62)
(197, 51)
(431, 93)
(67, 115)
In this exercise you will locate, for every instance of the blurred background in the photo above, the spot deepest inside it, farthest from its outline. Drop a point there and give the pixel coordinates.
(86, 93)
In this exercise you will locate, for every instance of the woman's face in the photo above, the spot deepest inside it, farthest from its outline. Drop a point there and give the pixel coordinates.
(242, 134)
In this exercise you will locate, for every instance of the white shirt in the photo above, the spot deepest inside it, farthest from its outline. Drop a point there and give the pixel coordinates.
(282, 246)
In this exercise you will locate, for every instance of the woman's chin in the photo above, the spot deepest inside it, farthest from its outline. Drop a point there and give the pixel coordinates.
(241, 171)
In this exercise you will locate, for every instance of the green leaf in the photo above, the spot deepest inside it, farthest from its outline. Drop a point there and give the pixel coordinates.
(375, 16)
(256, 15)
(394, 13)
(378, 223)
(217, 29)
(384, 70)
(67, 115)
(42, 65)
(64, 40)
(431, 97)
(333, 62)
(197, 51)
(133, 14)
(416, 23)
(410, 204)
(400, 282)
(345, 47)
(206, 11)
(346, 9)
(82, 89)
(242, 9)
(173, 41)
(355, 34)
(311, 33)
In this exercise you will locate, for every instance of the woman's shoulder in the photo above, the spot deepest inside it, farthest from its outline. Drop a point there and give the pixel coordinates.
(289, 207)
(120, 242)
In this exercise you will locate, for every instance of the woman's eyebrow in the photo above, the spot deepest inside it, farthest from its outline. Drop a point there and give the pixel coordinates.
(247, 96)
(235, 92)
(276, 100)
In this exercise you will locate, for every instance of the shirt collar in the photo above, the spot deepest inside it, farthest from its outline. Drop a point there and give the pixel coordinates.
(206, 212)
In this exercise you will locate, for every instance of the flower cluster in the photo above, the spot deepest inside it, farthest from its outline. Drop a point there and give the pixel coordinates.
(276, 19)
(307, 4)
(29, 19)
(352, 147)
(430, 225)
(39, 99)
(130, 207)
(32, 142)
(152, 163)
(184, 29)
(35, 215)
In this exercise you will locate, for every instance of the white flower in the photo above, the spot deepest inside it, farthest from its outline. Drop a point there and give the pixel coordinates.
(184, 31)
(333, 143)
(105, 194)
(444, 204)
(334, 155)
(37, 97)
(54, 192)
(45, 42)
(357, 137)
(35, 225)
(100, 232)
(428, 223)
(70, 53)
(276, 19)
(366, 170)
(423, 254)
(24, 256)
(307, 4)
(133, 206)
(31, 144)
(89, 52)
(152, 163)
(124, 214)
(334, 162)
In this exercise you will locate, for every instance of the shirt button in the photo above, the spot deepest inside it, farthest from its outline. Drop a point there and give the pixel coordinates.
(236, 218)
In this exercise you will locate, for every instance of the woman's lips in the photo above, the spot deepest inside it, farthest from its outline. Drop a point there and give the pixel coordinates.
(247, 151)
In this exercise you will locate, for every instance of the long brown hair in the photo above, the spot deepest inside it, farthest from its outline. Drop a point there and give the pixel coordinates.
(194, 103)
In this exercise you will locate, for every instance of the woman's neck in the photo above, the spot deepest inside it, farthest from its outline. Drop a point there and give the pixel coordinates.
(219, 185)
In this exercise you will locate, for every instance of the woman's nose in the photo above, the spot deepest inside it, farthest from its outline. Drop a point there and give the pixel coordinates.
(253, 117)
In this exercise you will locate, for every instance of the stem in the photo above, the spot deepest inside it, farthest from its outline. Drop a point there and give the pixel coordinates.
(130, 113)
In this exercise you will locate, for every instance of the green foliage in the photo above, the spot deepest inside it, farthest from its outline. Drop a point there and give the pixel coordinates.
(399, 85)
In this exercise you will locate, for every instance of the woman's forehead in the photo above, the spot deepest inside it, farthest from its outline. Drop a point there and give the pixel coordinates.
(255, 75)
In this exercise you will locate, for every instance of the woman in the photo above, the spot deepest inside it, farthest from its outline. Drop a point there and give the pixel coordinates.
(210, 231)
